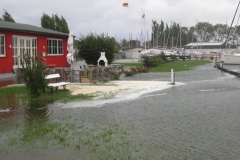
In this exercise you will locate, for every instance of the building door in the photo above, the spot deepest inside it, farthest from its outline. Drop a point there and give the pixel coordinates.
(21, 46)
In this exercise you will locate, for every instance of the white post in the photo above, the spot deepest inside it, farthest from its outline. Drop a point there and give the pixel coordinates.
(172, 77)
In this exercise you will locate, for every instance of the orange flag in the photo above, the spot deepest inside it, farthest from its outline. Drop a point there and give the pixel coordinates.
(125, 4)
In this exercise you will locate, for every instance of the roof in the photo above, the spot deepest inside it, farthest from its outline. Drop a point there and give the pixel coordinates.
(26, 28)
(205, 44)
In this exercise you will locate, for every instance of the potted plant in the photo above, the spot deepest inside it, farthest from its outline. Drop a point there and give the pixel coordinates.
(85, 79)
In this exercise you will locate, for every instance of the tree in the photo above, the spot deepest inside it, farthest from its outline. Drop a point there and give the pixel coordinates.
(7, 17)
(184, 35)
(47, 22)
(124, 43)
(91, 46)
(191, 35)
(205, 31)
(220, 32)
(157, 34)
(65, 28)
(54, 23)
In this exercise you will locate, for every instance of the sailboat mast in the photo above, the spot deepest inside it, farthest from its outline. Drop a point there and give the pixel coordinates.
(144, 19)
(197, 35)
(180, 36)
(231, 25)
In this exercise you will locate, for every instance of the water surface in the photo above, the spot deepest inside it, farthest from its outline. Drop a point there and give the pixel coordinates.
(199, 120)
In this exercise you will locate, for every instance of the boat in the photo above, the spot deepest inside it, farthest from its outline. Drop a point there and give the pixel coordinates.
(155, 52)
(231, 57)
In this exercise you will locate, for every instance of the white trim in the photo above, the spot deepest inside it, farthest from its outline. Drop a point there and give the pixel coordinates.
(4, 45)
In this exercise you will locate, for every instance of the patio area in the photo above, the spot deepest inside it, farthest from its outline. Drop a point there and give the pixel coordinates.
(93, 72)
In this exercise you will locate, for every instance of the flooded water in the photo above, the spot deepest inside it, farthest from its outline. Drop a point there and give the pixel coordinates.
(198, 120)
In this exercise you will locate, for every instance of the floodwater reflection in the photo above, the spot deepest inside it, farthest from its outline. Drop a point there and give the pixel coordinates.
(15, 108)
(37, 108)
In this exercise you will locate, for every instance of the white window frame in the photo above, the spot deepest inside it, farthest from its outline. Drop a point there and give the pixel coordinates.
(58, 49)
(4, 45)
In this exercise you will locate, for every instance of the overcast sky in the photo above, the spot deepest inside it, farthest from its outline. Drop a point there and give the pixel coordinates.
(109, 16)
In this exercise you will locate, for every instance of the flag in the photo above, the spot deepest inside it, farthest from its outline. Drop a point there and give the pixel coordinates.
(125, 4)
(143, 16)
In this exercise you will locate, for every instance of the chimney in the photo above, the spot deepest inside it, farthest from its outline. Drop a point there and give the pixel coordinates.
(103, 58)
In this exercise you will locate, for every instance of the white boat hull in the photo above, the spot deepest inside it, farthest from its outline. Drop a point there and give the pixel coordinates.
(230, 58)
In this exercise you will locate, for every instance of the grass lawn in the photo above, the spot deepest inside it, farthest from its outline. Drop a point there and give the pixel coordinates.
(167, 66)
(134, 64)
(179, 65)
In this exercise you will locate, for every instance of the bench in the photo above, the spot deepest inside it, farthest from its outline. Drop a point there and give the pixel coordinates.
(57, 84)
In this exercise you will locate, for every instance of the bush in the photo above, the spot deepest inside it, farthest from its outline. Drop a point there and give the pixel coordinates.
(142, 69)
(163, 57)
(173, 57)
(134, 70)
(115, 75)
(129, 73)
(152, 61)
(34, 72)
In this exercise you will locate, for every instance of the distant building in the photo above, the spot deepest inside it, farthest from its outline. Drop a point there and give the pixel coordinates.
(132, 53)
(206, 47)
(17, 39)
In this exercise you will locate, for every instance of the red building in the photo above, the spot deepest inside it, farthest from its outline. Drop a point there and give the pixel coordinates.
(17, 39)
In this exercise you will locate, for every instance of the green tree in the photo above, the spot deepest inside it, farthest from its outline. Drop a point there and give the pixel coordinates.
(166, 36)
(184, 36)
(7, 17)
(47, 22)
(191, 35)
(54, 23)
(204, 31)
(157, 37)
(91, 46)
(174, 35)
(220, 31)
(65, 28)
(124, 43)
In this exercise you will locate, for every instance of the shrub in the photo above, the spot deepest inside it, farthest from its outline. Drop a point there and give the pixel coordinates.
(115, 75)
(173, 57)
(143, 69)
(128, 73)
(134, 70)
(34, 72)
(151, 61)
(163, 57)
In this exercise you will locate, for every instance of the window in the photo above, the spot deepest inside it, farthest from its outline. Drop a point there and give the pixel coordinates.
(55, 47)
(2, 46)
(22, 45)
